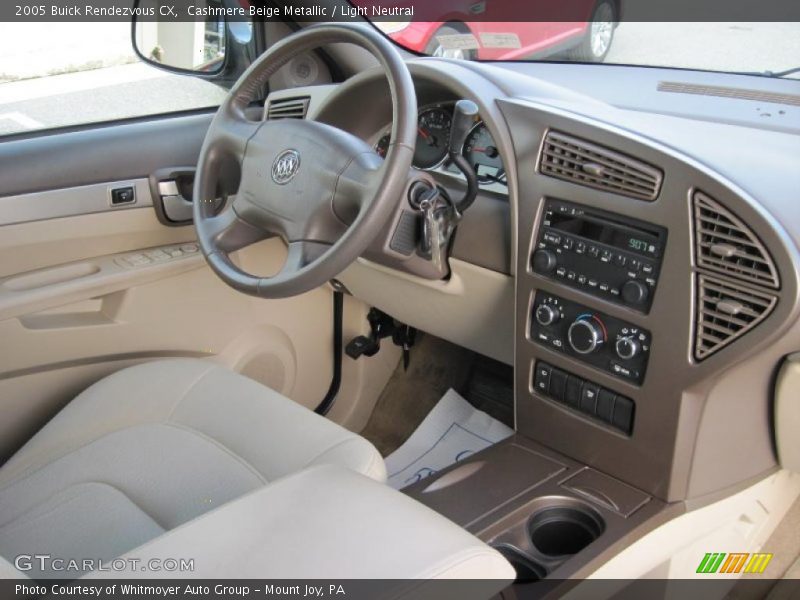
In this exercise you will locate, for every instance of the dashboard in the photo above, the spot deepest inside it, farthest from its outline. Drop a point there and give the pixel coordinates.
(637, 266)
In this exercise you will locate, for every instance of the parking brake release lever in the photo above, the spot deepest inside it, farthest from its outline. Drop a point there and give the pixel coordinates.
(464, 115)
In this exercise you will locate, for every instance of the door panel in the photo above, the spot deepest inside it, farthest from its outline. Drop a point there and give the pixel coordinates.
(71, 312)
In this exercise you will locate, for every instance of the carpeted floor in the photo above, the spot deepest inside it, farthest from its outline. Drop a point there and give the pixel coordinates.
(436, 366)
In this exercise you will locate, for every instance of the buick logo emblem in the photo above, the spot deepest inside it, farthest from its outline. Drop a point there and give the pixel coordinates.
(285, 166)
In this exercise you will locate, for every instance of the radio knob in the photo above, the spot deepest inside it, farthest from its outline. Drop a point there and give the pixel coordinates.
(585, 336)
(544, 260)
(628, 347)
(546, 314)
(634, 292)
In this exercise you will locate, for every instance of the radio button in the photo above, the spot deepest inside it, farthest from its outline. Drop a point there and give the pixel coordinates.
(620, 260)
(552, 238)
(582, 279)
(647, 268)
(561, 271)
(544, 260)
(594, 251)
(580, 247)
(606, 256)
(635, 264)
(571, 275)
(604, 287)
(634, 292)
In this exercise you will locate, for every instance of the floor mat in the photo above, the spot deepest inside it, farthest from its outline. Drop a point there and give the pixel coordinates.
(436, 366)
(453, 430)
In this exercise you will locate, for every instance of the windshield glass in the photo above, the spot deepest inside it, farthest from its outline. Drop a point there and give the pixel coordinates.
(764, 48)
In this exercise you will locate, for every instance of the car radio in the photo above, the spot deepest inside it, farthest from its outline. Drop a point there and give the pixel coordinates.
(605, 255)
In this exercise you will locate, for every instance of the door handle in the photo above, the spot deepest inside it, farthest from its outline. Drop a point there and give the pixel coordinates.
(172, 190)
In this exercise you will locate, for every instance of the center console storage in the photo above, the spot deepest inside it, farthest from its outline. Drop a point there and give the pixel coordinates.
(551, 517)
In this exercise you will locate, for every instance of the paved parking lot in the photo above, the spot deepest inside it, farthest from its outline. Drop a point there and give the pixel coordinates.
(127, 89)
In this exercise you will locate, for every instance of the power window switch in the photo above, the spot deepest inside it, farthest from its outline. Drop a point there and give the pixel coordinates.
(123, 195)
(541, 380)
(157, 255)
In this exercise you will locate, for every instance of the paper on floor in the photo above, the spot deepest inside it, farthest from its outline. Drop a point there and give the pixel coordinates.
(452, 431)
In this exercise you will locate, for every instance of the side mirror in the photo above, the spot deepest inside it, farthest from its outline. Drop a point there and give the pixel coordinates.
(199, 46)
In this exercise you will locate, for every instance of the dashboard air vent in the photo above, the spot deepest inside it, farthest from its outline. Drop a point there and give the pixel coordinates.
(584, 163)
(726, 245)
(288, 108)
(725, 312)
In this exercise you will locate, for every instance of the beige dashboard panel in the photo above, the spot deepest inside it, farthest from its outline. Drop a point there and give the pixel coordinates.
(787, 414)
(474, 308)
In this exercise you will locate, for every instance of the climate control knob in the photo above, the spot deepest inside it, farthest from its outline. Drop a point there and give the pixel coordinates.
(628, 347)
(547, 315)
(544, 260)
(586, 335)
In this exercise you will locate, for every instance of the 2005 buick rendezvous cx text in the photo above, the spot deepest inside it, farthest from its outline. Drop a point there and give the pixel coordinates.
(393, 299)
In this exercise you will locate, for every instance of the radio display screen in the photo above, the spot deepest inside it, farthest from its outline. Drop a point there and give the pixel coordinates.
(619, 236)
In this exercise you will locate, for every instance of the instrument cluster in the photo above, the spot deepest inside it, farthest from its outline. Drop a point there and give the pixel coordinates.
(433, 133)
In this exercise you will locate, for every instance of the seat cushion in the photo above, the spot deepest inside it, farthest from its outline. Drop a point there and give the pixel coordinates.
(152, 447)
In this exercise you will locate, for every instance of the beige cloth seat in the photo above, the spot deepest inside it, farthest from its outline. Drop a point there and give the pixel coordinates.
(152, 447)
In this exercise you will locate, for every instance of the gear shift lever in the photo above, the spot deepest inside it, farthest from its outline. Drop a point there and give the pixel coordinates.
(464, 115)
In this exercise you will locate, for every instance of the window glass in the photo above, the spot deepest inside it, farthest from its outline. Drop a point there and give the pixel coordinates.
(770, 49)
(63, 74)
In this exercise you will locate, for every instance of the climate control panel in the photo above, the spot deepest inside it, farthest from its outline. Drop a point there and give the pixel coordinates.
(600, 340)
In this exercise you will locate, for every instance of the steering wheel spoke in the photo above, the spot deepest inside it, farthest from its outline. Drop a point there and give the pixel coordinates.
(228, 232)
(301, 254)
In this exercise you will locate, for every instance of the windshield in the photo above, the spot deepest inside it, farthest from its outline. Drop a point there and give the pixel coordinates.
(763, 48)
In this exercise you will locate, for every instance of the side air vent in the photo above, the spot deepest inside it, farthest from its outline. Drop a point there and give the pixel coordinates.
(584, 163)
(725, 312)
(726, 245)
(288, 108)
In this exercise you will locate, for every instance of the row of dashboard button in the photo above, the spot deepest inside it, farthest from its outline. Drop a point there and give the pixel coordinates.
(584, 396)
(157, 255)
(605, 255)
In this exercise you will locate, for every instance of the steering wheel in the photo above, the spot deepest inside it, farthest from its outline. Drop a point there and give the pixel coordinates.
(324, 191)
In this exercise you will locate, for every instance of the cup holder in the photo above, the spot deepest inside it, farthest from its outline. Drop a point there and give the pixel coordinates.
(527, 570)
(560, 531)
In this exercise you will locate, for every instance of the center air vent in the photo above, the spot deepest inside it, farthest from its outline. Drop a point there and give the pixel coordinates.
(584, 163)
(725, 312)
(288, 108)
(723, 243)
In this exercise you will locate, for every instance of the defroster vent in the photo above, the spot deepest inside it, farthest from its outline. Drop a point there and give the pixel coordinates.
(572, 159)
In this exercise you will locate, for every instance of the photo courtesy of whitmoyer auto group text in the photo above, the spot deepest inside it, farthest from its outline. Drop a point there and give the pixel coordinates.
(400, 299)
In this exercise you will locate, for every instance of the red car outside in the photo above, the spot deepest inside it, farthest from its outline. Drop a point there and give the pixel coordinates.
(454, 35)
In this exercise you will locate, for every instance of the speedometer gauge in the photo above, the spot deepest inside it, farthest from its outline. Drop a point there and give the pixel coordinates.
(482, 153)
(433, 135)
